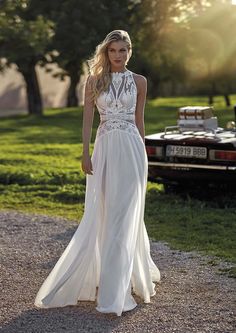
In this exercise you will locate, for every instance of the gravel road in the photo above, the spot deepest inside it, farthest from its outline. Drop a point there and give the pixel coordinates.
(191, 297)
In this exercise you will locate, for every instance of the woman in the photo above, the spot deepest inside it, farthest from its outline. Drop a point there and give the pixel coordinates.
(109, 254)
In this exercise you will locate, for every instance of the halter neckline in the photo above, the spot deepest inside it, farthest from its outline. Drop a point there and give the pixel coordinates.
(119, 73)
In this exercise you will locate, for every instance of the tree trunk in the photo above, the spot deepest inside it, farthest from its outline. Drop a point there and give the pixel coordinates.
(210, 99)
(227, 100)
(212, 93)
(72, 99)
(154, 88)
(33, 91)
(174, 88)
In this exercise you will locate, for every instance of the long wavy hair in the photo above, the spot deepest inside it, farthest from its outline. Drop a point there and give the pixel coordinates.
(99, 64)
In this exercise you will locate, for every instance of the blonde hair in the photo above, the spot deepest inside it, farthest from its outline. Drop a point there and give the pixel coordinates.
(99, 64)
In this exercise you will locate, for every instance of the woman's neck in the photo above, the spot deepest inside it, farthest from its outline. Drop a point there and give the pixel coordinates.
(118, 69)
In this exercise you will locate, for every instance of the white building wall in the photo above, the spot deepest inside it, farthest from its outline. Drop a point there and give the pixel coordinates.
(13, 92)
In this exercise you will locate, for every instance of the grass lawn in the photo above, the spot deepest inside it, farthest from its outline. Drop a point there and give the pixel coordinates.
(40, 172)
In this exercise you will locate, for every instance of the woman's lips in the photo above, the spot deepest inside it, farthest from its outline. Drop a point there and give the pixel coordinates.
(117, 61)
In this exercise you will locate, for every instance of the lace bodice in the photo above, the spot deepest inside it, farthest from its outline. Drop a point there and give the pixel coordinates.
(117, 105)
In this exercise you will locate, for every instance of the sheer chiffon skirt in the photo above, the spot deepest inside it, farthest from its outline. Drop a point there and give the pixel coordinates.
(110, 248)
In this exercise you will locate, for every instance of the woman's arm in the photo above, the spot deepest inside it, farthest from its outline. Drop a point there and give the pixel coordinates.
(141, 83)
(88, 116)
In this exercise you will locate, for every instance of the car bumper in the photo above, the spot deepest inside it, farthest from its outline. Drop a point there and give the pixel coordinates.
(162, 171)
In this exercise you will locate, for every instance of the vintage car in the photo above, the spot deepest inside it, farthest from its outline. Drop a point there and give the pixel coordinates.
(194, 151)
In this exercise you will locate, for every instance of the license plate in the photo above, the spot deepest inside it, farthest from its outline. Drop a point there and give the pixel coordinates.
(186, 151)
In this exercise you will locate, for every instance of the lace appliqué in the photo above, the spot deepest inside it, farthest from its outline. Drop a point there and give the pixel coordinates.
(117, 124)
(121, 96)
(117, 105)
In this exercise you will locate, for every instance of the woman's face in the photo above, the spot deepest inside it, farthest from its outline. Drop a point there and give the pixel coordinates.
(118, 54)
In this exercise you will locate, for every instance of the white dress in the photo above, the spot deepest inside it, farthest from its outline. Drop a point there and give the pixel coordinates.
(108, 256)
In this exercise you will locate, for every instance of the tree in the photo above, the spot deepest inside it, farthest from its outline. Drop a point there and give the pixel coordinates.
(24, 40)
(79, 26)
(212, 40)
(160, 32)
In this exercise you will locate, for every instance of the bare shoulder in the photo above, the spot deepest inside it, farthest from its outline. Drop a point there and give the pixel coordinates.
(140, 81)
(89, 85)
(90, 79)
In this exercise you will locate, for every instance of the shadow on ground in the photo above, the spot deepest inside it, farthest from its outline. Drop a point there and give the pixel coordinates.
(70, 319)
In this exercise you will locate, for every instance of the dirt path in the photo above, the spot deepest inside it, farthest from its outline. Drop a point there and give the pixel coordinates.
(192, 296)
